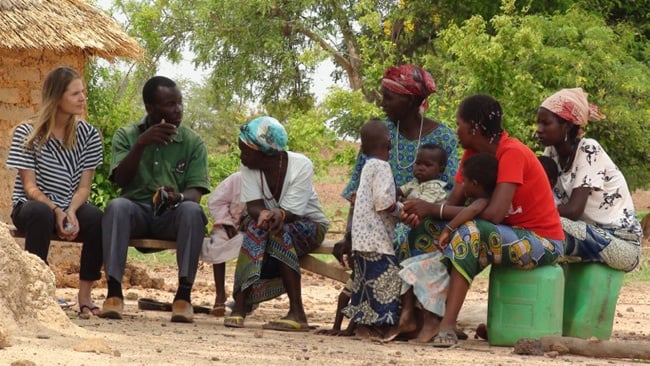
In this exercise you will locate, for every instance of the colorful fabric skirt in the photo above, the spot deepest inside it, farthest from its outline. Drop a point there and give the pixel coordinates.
(375, 290)
(261, 251)
(479, 243)
(617, 249)
(429, 277)
(405, 248)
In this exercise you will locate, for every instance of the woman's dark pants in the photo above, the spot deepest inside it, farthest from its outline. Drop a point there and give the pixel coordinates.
(38, 222)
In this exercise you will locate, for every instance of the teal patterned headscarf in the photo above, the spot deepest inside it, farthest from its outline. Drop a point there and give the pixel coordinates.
(265, 134)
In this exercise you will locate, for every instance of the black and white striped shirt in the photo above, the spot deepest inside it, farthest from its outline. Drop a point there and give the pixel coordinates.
(58, 170)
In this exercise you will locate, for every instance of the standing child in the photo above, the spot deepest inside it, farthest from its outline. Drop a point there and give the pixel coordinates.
(225, 241)
(374, 304)
(342, 301)
(429, 165)
(425, 277)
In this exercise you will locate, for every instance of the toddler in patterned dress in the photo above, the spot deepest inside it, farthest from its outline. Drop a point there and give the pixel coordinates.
(374, 302)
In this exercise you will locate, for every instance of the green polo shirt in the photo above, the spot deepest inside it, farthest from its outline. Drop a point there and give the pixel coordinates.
(182, 164)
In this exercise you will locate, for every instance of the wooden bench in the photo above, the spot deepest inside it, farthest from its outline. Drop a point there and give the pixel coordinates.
(308, 262)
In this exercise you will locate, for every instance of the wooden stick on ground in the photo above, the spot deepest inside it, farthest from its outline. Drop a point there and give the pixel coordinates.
(596, 348)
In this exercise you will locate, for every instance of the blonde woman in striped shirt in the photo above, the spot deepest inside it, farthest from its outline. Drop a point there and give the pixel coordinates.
(56, 154)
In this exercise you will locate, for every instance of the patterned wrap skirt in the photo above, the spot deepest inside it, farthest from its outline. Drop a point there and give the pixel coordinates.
(479, 243)
(405, 249)
(375, 289)
(429, 277)
(261, 251)
(616, 248)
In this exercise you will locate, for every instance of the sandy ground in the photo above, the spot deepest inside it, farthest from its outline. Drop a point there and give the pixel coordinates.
(148, 338)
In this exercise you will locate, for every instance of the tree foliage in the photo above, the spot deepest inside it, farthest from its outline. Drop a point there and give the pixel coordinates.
(529, 57)
(261, 54)
(111, 96)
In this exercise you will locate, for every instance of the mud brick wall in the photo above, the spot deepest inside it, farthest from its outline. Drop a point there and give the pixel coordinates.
(21, 79)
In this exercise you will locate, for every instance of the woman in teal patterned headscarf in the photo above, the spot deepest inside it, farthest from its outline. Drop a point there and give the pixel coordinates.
(265, 134)
(283, 221)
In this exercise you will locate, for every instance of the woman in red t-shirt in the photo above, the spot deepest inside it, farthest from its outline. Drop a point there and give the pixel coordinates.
(520, 227)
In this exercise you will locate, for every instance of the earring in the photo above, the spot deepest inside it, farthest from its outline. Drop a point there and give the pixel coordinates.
(566, 136)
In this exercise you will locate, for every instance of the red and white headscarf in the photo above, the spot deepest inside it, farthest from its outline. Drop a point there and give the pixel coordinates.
(410, 80)
(572, 105)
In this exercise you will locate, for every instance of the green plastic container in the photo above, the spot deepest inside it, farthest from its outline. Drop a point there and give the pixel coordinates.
(524, 303)
(591, 292)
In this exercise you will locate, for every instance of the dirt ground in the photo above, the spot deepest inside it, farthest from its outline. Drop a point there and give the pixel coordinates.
(148, 338)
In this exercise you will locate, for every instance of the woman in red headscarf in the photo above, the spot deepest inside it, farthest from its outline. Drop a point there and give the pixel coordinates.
(595, 205)
(405, 90)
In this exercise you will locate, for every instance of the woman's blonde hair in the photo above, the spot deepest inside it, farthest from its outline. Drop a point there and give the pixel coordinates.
(55, 85)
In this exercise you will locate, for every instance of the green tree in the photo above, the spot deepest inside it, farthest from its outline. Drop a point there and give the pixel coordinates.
(112, 103)
(261, 54)
(263, 51)
(529, 57)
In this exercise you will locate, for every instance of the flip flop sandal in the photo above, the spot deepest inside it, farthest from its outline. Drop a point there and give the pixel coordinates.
(64, 304)
(92, 311)
(233, 321)
(219, 310)
(287, 325)
(445, 339)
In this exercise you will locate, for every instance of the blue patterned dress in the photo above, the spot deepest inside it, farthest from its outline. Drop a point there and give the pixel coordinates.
(401, 163)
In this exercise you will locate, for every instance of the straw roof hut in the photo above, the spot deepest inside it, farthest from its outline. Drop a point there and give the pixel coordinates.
(35, 37)
(61, 25)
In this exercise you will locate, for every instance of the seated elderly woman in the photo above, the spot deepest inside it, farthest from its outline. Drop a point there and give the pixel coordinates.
(595, 203)
(283, 222)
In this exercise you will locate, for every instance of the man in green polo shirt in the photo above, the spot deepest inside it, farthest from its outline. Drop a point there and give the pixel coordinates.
(158, 152)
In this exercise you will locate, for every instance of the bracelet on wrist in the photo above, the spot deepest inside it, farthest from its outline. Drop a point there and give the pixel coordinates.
(450, 228)
(442, 207)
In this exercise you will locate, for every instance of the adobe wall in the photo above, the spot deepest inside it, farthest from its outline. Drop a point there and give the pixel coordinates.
(21, 78)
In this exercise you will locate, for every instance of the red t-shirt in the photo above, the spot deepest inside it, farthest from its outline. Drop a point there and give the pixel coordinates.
(532, 207)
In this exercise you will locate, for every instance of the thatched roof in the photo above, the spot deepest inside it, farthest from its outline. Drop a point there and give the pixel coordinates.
(60, 25)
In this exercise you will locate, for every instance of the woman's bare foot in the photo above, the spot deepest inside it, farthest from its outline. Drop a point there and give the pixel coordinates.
(407, 324)
(430, 327)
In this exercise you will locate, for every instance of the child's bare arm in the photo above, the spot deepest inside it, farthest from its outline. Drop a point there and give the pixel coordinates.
(463, 216)
(469, 212)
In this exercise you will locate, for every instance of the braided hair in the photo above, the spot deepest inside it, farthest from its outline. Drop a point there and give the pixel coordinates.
(484, 114)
